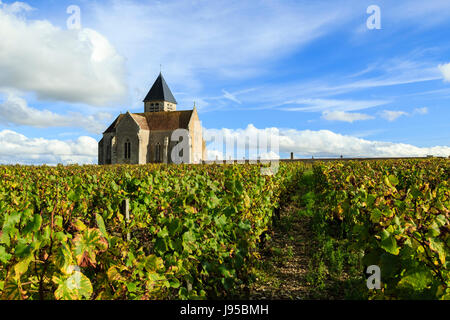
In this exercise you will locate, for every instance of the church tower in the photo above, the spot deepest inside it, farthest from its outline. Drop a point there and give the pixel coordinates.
(160, 98)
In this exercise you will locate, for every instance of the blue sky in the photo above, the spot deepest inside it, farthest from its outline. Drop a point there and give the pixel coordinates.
(311, 69)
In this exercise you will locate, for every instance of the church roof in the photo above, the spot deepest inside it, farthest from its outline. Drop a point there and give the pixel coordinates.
(160, 91)
(167, 120)
(141, 121)
(164, 120)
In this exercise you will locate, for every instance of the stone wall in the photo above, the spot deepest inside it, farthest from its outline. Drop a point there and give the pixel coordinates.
(143, 143)
(127, 131)
(155, 138)
(150, 106)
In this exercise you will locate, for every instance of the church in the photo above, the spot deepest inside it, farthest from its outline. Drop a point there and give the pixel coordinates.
(139, 138)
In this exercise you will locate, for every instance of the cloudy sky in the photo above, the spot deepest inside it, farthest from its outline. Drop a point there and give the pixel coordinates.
(320, 76)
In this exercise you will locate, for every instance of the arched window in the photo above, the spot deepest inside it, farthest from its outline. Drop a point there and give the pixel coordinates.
(127, 149)
(158, 153)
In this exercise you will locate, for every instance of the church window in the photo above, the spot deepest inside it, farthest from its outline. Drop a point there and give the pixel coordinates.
(128, 149)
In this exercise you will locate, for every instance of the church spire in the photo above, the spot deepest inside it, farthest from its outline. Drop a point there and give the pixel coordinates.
(159, 98)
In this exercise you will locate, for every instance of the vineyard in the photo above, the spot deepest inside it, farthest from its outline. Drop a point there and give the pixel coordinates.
(197, 231)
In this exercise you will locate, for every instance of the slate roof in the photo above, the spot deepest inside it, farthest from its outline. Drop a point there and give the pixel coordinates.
(164, 120)
(160, 91)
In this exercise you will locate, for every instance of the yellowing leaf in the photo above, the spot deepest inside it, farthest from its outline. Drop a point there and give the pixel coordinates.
(87, 245)
(75, 287)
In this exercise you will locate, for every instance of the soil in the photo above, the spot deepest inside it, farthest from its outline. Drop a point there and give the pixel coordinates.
(285, 259)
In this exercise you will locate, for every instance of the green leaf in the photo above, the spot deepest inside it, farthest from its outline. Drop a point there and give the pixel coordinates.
(12, 290)
(34, 225)
(63, 258)
(416, 280)
(4, 256)
(153, 263)
(131, 287)
(433, 230)
(239, 186)
(12, 220)
(75, 287)
(59, 221)
(22, 266)
(188, 236)
(244, 225)
(175, 283)
(438, 246)
(4, 238)
(183, 293)
(375, 215)
(22, 249)
(161, 245)
(415, 192)
(174, 226)
(389, 243)
(387, 182)
(101, 225)
(441, 220)
(393, 180)
(114, 186)
(163, 233)
(221, 220)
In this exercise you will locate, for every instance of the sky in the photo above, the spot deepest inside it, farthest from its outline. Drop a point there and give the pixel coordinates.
(325, 78)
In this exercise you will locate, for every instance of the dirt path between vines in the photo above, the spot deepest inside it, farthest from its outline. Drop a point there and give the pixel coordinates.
(283, 270)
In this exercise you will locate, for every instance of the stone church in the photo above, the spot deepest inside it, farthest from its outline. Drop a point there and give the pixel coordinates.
(139, 138)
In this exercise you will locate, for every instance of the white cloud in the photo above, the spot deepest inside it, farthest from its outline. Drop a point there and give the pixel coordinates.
(223, 39)
(57, 64)
(392, 115)
(17, 148)
(314, 105)
(230, 96)
(422, 111)
(345, 116)
(15, 110)
(445, 70)
(15, 7)
(314, 143)
(214, 155)
(401, 70)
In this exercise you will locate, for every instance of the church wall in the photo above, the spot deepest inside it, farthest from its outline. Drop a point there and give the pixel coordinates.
(100, 152)
(143, 144)
(150, 106)
(108, 146)
(144, 138)
(155, 138)
(127, 130)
